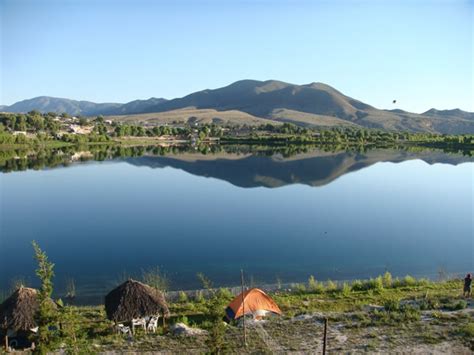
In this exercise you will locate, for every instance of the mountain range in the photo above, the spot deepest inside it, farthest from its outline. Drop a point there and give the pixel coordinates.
(252, 101)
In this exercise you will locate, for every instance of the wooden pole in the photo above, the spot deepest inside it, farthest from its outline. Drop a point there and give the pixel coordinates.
(325, 339)
(243, 306)
(6, 343)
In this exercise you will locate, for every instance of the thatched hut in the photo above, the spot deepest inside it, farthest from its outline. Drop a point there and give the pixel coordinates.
(133, 299)
(17, 315)
(18, 311)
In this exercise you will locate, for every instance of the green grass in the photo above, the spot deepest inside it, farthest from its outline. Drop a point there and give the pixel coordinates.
(467, 330)
(395, 318)
(398, 316)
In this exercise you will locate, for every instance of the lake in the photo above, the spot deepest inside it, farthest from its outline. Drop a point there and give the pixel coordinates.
(335, 215)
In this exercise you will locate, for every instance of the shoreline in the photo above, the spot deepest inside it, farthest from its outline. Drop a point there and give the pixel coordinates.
(173, 294)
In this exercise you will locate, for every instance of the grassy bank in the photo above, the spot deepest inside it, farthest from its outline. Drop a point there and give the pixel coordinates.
(374, 315)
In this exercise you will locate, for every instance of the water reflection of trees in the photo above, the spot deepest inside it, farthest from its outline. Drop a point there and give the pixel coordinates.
(25, 159)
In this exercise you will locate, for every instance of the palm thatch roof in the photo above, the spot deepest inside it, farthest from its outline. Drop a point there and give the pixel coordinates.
(133, 299)
(18, 311)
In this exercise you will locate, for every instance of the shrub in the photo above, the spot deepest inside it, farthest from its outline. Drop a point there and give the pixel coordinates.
(392, 305)
(387, 279)
(357, 285)
(410, 313)
(315, 286)
(346, 289)
(183, 319)
(225, 293)
(73, 332)
(378, 283)
(428, 304)
(467, 330)
(455, 306)
(300, 288)
(199, 297)
(331, 285)
(409, 281)
(423, 282)
(397, 283)
(215, 340)
(312, 283)
(460, 305)
(182, 297)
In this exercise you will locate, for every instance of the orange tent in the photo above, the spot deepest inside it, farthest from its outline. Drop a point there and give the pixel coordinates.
(254, 302)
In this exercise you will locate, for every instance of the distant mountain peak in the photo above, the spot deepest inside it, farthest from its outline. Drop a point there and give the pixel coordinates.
(84, 108)
(441, 112)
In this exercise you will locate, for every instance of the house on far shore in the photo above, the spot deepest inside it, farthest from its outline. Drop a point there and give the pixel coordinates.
(76, 129)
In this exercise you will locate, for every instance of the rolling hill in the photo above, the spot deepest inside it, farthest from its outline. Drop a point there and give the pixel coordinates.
(248, 101)
(296, 103)
(84, 108)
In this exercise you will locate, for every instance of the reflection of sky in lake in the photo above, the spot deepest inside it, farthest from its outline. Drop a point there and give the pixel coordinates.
(97, 221)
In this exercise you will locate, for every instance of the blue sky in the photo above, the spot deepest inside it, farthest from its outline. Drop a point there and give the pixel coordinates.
(418, 52)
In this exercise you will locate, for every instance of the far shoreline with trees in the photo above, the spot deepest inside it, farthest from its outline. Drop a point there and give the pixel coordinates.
(35, 129)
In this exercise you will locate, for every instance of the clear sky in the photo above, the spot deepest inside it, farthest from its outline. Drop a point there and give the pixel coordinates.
(418, 52)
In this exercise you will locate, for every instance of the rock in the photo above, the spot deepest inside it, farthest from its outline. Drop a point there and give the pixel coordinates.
(316, 315)
(181, 329)
(341, 338)
(302, 317)
(250, 322)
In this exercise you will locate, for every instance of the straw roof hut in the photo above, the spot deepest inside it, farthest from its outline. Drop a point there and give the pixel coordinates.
(18, 311)
(133, 299)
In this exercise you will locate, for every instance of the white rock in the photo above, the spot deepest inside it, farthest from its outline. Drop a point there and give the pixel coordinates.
(183, 329)
(341, 338)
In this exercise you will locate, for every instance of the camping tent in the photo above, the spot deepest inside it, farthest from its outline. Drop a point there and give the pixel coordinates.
(255, 302)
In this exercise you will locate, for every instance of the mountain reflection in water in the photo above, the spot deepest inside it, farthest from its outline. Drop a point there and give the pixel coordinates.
(242, 166)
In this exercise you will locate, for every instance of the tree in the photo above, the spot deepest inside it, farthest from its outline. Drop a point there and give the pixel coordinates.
(100, 129)
(215, 341)
(46, 317)
(74, 336)
(20, 123)
(99, 119)
(83, 121)
(36, 121)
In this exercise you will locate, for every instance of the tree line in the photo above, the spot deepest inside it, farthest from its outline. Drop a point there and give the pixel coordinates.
(49, 126)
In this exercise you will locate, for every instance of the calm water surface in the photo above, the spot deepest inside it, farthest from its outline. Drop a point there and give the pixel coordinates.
(338, 216)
